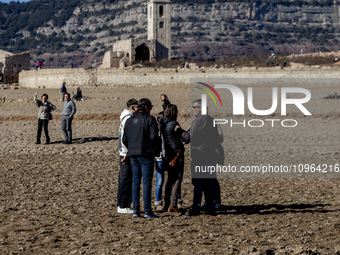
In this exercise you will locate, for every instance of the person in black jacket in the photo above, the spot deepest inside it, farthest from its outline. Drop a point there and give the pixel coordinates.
(165, 101)
(143, 143)
(204, 139)
(173, 148)
(63, 90)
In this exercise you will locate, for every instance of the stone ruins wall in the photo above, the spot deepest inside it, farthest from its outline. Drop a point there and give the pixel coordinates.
(123, 46)
(14, 64)
(53, 78)
(111, 59)
(11, 64)
(3, 55)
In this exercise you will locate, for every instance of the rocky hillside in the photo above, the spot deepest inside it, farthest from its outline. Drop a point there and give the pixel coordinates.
(73, 33)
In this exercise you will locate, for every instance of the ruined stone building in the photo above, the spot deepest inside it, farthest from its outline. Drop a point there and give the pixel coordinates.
(157, 45)
(12, 64)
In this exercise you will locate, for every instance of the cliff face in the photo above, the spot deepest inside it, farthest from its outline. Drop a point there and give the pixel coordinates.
(199, 31)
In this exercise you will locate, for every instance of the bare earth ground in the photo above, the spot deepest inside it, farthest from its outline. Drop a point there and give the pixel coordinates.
(61, 199)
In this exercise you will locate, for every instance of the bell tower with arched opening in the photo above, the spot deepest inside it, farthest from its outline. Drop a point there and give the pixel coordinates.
(159, 27)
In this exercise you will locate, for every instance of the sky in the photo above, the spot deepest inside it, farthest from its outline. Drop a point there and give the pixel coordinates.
(7, 1)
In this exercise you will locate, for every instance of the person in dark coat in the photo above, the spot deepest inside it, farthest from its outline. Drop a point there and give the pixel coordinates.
(143, 143)
(204, 139)
(173, 149)
(63, 90)
(165, 101)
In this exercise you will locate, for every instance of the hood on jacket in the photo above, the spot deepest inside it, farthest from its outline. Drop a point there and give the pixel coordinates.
(124, 114)
(165, 120)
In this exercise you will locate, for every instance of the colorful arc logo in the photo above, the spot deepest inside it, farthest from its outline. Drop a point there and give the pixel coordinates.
(209, 93)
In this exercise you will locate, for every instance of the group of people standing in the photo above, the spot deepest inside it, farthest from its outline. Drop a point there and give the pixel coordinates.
(147, 145)
(77, 95)
(45, 109)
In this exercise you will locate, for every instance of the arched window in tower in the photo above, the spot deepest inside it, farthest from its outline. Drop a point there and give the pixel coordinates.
(150, 12)
(161, 24)
(161, 11)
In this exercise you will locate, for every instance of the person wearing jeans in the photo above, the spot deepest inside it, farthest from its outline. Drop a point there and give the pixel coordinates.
(159, 171)
(143, 143)
(159, 185)
(142, 167)
(66, 122)
(124, 196)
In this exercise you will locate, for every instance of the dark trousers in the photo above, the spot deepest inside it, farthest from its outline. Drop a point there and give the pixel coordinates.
(142, 167)
(66, 126)
(124, 197)
(173, 184)
(43, 123)
(217, 191)
(205, 186)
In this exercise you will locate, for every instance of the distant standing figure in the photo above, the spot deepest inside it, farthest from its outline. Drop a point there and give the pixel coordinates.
(45, 109)
(66, 122)
(77, 94)
(301, 51)
(267, 62)
(63, 90)
(165, 100)
(38, 65)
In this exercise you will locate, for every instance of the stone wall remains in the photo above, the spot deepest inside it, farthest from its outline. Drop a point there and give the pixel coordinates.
(14, 64)
(111, 59)
(53, 78)
(123, 46)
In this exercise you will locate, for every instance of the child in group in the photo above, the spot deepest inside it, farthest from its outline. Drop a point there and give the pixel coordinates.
(158, 171)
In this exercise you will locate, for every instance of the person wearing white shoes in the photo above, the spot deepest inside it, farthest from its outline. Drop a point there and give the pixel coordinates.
(141, 137)
(124, 196)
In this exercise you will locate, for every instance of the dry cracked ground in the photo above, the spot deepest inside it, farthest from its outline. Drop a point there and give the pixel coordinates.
(61, 199)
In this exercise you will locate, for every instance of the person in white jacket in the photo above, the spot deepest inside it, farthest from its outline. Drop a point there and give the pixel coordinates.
(124, 197)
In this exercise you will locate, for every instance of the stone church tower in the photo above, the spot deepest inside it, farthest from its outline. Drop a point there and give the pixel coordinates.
(159, 27)
(155, 47)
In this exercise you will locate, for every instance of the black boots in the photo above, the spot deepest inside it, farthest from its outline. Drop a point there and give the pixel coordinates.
(47, 141)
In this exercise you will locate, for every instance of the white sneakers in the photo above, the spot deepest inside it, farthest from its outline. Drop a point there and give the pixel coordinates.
(124, 210)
